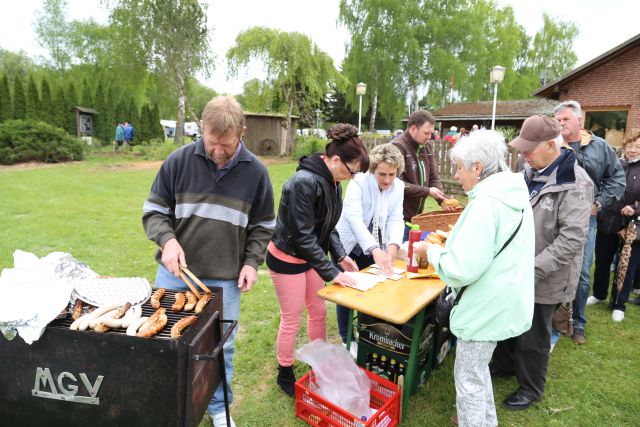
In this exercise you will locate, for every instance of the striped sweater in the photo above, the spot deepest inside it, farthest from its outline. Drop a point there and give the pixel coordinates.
(222, 219)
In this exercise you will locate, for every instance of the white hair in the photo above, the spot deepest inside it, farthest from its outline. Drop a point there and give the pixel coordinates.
(484, 146)
(572, 105)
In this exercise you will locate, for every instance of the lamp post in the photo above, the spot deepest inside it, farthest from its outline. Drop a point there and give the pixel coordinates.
(496, 76)
(318, 111)
(361, 89)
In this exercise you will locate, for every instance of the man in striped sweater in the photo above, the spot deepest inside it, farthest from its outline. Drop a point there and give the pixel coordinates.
(211, 208)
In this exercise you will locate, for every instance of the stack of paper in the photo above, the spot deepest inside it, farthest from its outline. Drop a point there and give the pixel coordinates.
(364, 282)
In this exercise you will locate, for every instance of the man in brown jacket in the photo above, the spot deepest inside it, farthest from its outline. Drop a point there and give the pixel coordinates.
(561, 195)
(420, 172)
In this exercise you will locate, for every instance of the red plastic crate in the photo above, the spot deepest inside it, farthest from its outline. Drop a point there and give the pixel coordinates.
(317, 411)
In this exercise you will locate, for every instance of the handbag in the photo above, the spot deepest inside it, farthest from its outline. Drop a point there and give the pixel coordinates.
(446, 302)
(562, 319)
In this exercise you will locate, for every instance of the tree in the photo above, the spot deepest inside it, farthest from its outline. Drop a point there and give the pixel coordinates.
(52, 29)
(383, 43)
(33, 100)
(6, 106)
(46, 103)
(157, 131)
(19, 98)
(72, 101)
(296, 68)
(172, 36)
(59, 109)
(102, 119)
(87, 99)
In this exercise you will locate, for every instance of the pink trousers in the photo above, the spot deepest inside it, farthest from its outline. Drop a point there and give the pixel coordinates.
(296, 292)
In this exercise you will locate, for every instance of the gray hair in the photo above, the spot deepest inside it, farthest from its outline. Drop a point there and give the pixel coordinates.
(573, 105)
(559, 141)
(387, 153)
(484, 146)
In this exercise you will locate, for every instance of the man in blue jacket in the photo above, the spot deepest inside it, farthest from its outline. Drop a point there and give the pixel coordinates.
(128, 133)
(599, 160)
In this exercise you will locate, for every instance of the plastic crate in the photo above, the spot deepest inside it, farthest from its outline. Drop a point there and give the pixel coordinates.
(436, 220)
(317, 411)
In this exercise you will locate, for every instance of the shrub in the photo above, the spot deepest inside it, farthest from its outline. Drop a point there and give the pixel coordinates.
(30, 140)
(155, 149)
(307, 145)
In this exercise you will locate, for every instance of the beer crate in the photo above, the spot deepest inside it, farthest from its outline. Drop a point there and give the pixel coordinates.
(394, 342)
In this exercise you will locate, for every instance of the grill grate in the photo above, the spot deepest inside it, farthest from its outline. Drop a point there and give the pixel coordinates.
(167, 301)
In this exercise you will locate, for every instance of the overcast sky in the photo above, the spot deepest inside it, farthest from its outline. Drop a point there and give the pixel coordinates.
(602, 25)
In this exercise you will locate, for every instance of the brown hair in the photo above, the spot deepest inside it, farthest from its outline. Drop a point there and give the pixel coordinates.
(419, 117)
(632, 135)
(346, 144)
(221, 115)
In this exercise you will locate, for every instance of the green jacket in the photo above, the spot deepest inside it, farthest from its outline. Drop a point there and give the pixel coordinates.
(498, 300)
(119, 133)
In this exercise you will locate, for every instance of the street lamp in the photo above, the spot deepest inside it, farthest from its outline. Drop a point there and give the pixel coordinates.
(496, 76)
(318, 111)
(361, 89)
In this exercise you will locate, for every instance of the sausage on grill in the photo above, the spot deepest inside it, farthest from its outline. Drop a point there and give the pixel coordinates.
(155, 298)
(176, 330)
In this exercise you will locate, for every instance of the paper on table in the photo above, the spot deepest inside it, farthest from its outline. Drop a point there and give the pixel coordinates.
(396, 270)
(364, 282)
(381, 276)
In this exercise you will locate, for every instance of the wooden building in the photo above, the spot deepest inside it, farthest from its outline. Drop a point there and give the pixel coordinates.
(266, 133)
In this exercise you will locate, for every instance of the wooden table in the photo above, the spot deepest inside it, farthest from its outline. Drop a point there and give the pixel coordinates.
(394, 301)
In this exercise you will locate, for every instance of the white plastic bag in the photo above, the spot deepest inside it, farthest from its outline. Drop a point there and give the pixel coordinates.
(339, 379)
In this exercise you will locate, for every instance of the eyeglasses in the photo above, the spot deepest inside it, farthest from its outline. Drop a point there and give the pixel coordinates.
(634, 147)
(352, 173)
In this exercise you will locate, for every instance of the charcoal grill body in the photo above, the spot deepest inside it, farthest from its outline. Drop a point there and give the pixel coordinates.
(112, 379)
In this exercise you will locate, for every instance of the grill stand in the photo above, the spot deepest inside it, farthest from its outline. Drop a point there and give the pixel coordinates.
(218, 350)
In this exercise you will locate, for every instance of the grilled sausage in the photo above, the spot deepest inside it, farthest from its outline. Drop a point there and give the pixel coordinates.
(179, 304)
(84, 320)
(154, 317)
(77, 309)
(176, 329)
(155, 298)
(154, 328)
(204, 299)
(132, 330)
(191, 301)
(134, 313)
(98, 319)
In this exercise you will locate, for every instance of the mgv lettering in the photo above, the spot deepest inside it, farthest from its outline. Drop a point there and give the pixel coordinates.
(67, 388)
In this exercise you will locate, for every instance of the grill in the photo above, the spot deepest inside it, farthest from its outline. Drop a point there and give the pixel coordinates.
(112, 379)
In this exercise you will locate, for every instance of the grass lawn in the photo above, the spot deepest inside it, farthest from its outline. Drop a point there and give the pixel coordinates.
(92, 209)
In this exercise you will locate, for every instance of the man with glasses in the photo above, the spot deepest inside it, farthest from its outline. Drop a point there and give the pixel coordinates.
(601, 163)
(421, 172)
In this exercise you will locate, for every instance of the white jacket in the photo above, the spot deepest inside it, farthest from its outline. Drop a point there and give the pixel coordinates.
(359, 206)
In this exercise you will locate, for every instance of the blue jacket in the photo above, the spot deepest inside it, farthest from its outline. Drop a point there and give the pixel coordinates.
(360, 204)
(498, 300)
(597, 157)
(128, 132)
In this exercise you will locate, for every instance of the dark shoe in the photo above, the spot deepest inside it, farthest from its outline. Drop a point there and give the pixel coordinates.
(579, 337)
(287, 380)
(518, 401)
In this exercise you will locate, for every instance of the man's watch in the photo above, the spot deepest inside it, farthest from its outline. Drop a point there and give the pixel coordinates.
(598, 205)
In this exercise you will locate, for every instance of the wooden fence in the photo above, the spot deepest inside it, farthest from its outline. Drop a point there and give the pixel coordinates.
(446, 169)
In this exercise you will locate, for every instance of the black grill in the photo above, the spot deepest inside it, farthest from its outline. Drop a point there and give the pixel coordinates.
(77, 378)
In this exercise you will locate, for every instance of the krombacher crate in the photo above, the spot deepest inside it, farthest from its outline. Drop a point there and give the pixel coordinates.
(394, 341)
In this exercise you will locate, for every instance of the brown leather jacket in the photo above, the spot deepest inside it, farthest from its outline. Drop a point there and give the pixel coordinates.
(418, 177)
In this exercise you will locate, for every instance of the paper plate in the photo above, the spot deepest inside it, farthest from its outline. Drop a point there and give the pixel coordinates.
(101, 291)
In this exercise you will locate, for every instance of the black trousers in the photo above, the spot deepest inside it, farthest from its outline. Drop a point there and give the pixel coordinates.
(528, 355)
(606, 248)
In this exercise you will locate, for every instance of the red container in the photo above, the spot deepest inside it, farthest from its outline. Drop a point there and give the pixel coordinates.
(317, 411)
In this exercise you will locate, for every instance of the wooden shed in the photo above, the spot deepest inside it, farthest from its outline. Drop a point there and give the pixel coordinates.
(266, 132)
(84, 121)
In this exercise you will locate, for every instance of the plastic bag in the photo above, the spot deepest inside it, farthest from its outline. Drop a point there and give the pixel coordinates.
(339, 379)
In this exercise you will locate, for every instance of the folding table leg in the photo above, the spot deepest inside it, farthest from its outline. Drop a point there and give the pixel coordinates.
(410, 378)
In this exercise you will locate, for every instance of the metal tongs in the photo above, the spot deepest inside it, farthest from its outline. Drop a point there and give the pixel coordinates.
(195, 280)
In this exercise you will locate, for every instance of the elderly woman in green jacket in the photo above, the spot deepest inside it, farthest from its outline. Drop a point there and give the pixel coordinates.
(488, 261)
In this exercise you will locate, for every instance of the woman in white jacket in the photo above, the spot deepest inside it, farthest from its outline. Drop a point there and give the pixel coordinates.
(371, 225)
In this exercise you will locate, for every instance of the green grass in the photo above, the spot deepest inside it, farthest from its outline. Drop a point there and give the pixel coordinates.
(92, 210)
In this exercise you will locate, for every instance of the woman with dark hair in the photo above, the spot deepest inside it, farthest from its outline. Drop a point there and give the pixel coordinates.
(310, 207)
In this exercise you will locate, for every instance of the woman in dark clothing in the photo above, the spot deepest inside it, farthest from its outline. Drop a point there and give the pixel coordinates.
(310, 207)
(610, 221)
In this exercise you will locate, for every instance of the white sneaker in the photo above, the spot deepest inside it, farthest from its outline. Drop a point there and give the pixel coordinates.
(552, 347)
(593, 300)
(617, 315)
(220, 420)
(636, 291)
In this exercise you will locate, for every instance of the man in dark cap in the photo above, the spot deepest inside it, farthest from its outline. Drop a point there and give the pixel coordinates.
(561, 195)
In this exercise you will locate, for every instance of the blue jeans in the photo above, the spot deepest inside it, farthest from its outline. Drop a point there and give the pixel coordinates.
(584, 283)
(230, 311)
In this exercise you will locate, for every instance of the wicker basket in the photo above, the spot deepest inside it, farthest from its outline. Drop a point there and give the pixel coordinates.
(436, 220)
